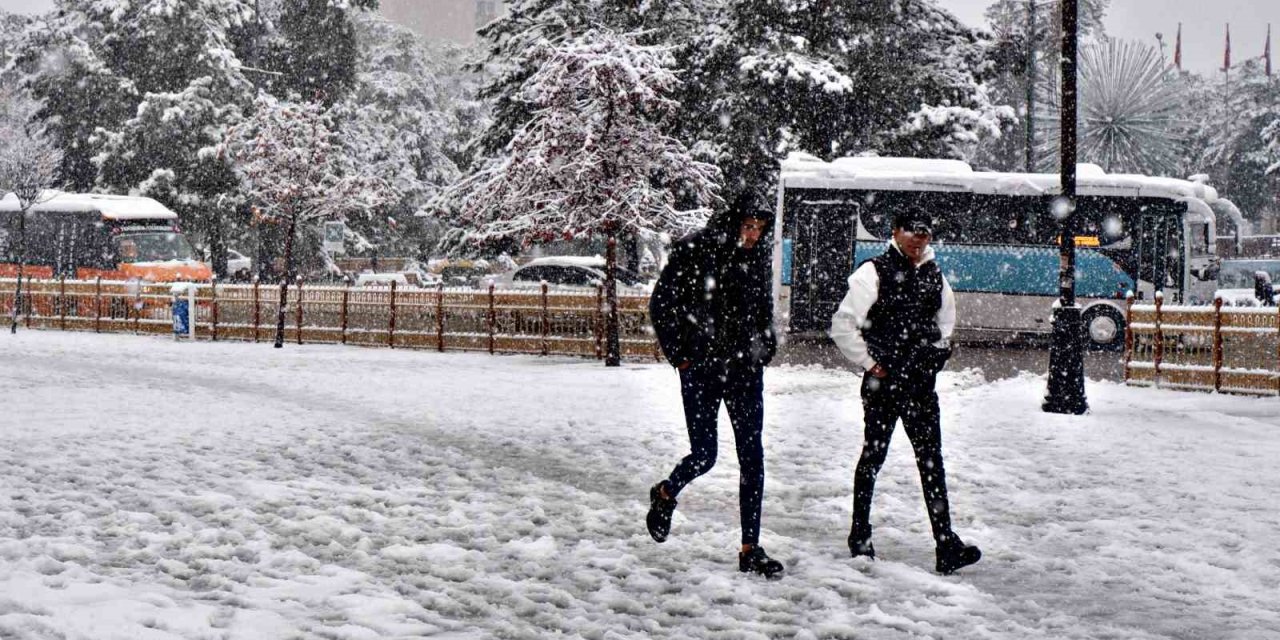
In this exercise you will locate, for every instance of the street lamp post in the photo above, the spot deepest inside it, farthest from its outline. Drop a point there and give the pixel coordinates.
(1066, 355)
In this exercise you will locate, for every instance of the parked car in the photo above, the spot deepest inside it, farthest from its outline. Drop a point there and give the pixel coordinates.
(574, 272)
(401, 278)
(462, 273)
(1238, 278)
(239, 266)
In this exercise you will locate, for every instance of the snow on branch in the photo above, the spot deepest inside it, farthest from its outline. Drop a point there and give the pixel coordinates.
(794, 67)
(293, 164)
(1271, 137)
(29, 160)
(593, 156)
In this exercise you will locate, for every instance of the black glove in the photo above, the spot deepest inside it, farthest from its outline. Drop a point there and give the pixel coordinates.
(933, 359)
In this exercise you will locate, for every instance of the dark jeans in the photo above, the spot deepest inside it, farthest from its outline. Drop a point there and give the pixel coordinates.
(884, 402)
(704, 385)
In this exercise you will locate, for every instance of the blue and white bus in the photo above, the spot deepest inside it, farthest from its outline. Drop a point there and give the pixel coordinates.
(995, 240)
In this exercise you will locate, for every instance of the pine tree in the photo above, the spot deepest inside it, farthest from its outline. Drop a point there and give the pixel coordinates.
(511, 41)
(135, 92)
(1224, 135)
(314, 50)
(592, 160)
(834, 79)
(399, 124)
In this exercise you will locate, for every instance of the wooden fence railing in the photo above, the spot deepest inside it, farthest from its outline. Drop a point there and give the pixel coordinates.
(493, 320)
(1204, 348)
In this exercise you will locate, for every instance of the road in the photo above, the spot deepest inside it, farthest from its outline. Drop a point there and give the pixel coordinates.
(996, 361)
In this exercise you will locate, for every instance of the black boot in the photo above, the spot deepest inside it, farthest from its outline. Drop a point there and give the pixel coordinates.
(860, 543)
(954, 554)
(757, 561)
(660, 510)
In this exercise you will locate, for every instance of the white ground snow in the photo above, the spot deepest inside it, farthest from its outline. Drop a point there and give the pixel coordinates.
(156, 490)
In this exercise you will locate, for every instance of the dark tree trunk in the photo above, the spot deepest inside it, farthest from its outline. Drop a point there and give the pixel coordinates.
(613, 350)
(284, 282)
(217, 244)
(22, 260)
(631, 249)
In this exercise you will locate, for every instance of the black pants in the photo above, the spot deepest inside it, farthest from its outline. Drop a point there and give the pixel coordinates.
(704, 385)
(884, 402)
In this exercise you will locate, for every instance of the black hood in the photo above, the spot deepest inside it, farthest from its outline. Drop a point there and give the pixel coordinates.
(725, 223)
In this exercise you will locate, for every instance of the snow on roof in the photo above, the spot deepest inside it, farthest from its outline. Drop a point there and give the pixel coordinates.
(804, 171)
(595, 262)
(111, 207)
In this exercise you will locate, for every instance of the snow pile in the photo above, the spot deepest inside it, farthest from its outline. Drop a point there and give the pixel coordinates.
(357, 493)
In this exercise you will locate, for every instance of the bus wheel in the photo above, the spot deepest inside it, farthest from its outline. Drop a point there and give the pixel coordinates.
(1103, 328)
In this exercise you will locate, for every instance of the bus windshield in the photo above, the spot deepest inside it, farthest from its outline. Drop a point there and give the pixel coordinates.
(153, 246)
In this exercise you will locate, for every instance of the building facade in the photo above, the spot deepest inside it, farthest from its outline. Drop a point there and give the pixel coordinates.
(453, 20)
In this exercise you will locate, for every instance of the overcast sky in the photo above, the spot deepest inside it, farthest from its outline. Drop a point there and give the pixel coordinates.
(1203, 23)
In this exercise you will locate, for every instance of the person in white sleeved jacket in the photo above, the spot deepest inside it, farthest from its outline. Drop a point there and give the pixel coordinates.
(896, 323)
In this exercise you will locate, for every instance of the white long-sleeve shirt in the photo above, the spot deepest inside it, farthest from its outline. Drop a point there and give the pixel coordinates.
(864, 289)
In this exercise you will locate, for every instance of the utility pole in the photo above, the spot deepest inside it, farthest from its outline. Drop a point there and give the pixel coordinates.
(1066, 355)
(1031, 87)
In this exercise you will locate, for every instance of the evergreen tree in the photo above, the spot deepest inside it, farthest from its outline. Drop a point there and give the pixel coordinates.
(511, 41)
(898, 77)
(1225, 135)
(400, 125)
(594, 159)
(314, 50)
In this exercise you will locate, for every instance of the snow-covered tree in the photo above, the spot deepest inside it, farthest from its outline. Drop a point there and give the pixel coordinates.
(511, 43)
(165, 151)
(314, 50)
(1130, 104)
(62, 63)
(1223, 135)
(28, 168)
(11, 28)
(900, 77)
(295, 171)
(1271, 137)
(398, 123)
(593, 159)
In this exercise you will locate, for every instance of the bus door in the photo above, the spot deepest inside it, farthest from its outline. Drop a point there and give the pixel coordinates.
(1156, 234)
(822, 258)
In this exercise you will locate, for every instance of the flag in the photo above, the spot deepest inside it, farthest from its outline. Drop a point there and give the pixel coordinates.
(1226, 54)
(1177, 49)
(1266, 53)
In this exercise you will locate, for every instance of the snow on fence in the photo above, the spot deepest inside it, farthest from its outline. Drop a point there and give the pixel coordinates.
(1203, 348)
(494, 320)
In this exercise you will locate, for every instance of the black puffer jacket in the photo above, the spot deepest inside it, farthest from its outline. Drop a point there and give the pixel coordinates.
(901, 327)
(713, 299)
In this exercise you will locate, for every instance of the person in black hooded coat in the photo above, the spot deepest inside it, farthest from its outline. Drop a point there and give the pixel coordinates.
(712, 310)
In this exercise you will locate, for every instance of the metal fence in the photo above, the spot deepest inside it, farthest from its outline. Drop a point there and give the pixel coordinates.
(539, 321)
(1205, 348)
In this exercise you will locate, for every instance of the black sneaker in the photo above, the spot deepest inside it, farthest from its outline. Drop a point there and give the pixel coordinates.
(955, 554)
(660, 510)
(860, 545)
(757, 561)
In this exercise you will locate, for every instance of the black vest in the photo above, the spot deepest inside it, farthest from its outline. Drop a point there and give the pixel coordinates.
(903, 319)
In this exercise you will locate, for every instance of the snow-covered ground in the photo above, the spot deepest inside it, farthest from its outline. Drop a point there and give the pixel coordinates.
(160, 490)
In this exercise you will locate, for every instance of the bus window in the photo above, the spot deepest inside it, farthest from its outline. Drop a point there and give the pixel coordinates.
(153, 246)
(128, 249)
